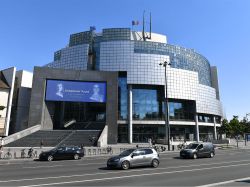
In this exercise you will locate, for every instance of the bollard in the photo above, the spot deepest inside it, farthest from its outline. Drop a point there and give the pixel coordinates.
(172, 147)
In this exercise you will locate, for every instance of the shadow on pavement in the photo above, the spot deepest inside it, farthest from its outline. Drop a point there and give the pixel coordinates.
(177, 157)
(106, 168)
(245, 181)
(138, 167)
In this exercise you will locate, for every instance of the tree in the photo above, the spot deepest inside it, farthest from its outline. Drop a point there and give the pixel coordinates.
(225, 128)
(237, 128)
(246, 125)
(234, 127)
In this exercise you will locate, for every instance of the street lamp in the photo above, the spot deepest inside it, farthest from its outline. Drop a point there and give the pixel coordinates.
(248, 114)
(167, 126)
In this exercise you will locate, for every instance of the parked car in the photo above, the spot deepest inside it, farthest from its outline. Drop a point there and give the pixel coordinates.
(60, 153)
(135, 157)
(198, 150)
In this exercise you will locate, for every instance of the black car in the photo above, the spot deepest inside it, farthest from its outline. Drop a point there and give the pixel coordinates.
(60, 153)
(198, 150)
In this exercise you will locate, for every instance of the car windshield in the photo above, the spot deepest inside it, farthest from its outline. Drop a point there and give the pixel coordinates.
(127, 152)
(192, 146)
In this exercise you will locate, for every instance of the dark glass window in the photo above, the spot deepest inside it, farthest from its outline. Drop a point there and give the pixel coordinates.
(147, 104)
(182, 110)
(205, 118)
(122, 133)
(123, 98)
(218, 119)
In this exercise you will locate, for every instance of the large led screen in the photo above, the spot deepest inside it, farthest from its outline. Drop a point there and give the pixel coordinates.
(58, 90)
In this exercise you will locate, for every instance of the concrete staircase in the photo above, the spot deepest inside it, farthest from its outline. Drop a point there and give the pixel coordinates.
(53, 138)
(50, 138)
(79, 137)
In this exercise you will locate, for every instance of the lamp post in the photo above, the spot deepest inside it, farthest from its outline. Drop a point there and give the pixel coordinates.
(248, 114)
(246, 135)
(167, 126)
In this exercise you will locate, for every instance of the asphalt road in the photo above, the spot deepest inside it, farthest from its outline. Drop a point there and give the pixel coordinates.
(227, 168)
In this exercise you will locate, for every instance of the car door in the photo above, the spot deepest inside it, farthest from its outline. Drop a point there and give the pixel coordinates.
(209, 148)
(206, 150)
(71, 152)
(137, 158)
(59, 154)
(148, 156)
(201, 151)
(67, 153)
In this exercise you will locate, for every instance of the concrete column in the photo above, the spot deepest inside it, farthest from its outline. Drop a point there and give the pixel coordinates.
(197, 128)
(130, 115)
(215, 130)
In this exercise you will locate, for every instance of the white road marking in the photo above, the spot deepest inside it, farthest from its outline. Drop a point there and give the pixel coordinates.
(131, 176)
(51, 166)
(111, 172)
(9, 164)
(224, 182)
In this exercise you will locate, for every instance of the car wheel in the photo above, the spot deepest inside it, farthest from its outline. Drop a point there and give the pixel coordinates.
(50, 158)
(155, 163)
(211, 155)
(194, 156)
(76, 156)
(125, 165)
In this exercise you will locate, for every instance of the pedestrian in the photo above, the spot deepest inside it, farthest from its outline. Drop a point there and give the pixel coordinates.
(1, 151)
(150, 142)
(185, 144)
(137, 146)
(153, 142)
(82, 146)
(41, 144)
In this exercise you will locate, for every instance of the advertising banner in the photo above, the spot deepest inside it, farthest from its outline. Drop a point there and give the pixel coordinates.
(76, 91)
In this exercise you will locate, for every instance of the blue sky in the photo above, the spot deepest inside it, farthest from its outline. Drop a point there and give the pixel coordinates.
(31, 30)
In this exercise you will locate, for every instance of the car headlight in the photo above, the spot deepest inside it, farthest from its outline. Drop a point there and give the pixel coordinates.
(116, 160)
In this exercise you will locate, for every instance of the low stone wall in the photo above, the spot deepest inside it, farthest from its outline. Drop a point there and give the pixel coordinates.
(225, 141)
(21, 152)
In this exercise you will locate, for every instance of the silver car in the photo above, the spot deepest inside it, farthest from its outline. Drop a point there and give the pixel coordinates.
(135, 157)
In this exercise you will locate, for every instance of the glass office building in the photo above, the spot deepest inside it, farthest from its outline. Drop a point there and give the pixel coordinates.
(195, 110)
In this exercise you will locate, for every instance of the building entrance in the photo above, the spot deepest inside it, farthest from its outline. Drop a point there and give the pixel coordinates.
(141, 133)
(79, 115)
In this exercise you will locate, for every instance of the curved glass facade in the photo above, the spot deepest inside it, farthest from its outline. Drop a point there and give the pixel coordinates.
(191, 84)
(181, 58)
